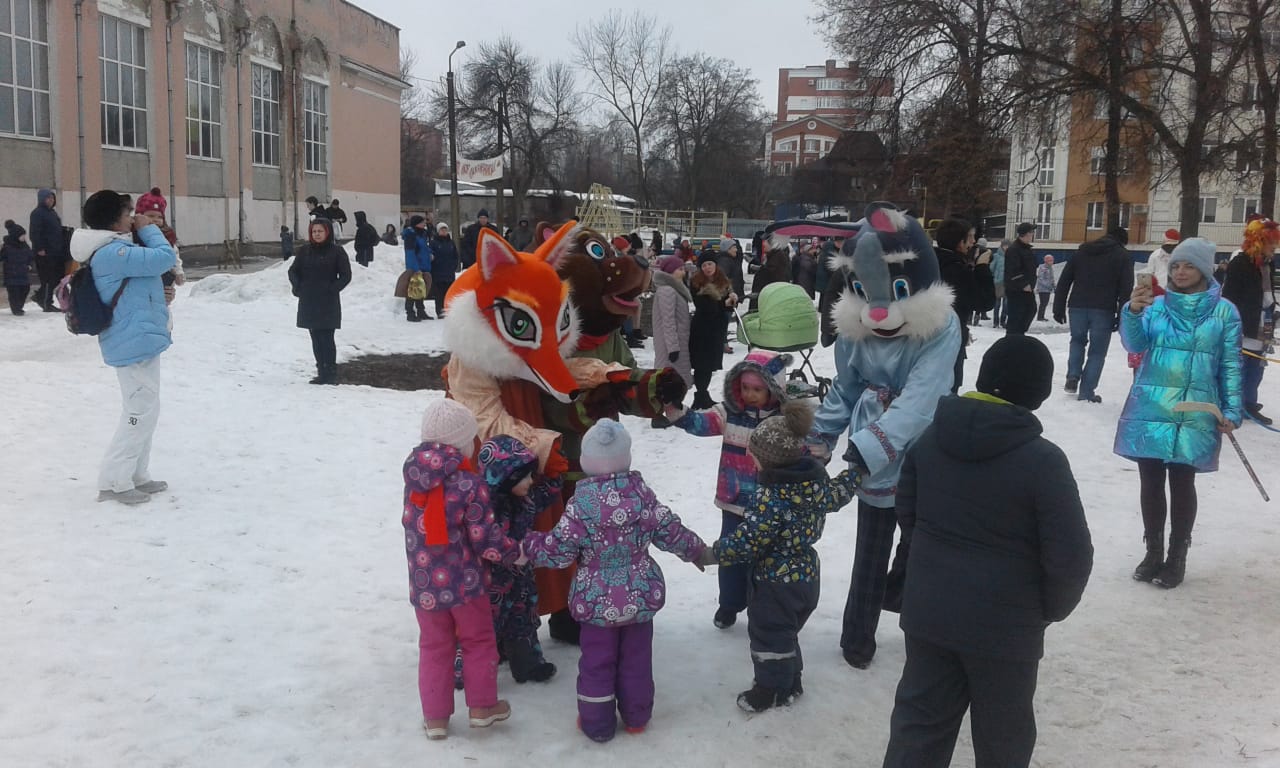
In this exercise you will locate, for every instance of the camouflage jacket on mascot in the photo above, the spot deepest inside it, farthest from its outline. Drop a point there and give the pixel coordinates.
(515, 333)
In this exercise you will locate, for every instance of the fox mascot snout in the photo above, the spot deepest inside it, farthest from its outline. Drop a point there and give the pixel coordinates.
(510, 314)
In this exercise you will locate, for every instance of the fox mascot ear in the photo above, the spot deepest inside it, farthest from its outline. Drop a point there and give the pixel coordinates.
(493, 253)
(558, 243)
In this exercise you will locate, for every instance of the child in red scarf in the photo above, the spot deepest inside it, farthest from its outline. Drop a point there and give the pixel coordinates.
(451, 538)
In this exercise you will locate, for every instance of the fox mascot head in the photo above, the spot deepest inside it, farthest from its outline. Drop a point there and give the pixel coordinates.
(893, 287)
(510, 313)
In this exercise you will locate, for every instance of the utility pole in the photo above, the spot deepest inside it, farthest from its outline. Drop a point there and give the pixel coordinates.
(454, 214)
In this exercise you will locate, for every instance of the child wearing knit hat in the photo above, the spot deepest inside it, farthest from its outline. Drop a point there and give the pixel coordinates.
(754, 390)
(785, 518)
(450, 539)
(606, 530)
(17, 258)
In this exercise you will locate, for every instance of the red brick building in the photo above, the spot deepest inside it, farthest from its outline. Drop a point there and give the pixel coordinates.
(819, 103)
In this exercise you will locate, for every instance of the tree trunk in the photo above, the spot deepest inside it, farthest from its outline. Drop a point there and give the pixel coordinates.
(641, 180)
(1189, 179)
(1115, 115)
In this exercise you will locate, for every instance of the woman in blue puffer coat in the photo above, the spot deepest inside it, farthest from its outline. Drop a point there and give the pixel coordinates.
(1190, 339)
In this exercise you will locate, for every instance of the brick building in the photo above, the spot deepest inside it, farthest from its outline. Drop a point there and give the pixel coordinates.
(817, 104)
(237, 109)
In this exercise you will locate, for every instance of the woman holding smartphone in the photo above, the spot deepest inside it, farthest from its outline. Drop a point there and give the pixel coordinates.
(1190, 341)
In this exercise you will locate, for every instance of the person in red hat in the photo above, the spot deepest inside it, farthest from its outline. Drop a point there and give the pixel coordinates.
(1158, 262)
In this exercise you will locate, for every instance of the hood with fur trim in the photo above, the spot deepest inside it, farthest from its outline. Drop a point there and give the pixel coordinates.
(769, 366)
(86, 242)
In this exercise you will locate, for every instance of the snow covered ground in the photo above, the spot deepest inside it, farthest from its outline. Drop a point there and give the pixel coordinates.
(256, 614)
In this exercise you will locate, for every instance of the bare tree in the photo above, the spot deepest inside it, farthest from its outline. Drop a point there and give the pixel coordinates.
(625, 58)
(710, 120)
(1264, 59)
(421, 148)
(948, 73)
(1179, 87)
(503, 92)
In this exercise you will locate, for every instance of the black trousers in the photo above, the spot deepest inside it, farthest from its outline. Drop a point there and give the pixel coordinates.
(957, 373)
(17, 297)
(1022, 309)
(775, 615)
(438, 290)
(412, 306)
(937, 687)
(50, 270)
(1182, 502)
(701, 381)
(1044, 304)
(325, 350)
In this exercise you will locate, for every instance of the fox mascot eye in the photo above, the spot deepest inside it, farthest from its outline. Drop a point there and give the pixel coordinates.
(518, 324)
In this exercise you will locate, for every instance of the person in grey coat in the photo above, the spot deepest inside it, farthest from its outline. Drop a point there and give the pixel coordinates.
(997, 549)
(318, 274)
(671, 299)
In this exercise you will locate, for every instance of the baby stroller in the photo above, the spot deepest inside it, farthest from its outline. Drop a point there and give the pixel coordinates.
(784, 319)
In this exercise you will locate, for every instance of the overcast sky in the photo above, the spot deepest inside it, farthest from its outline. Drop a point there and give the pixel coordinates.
(761, 36)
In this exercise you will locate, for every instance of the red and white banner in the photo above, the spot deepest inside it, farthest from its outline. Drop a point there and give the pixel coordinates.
(480, 170)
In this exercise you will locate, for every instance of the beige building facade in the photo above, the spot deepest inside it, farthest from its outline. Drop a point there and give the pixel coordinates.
(237, 110)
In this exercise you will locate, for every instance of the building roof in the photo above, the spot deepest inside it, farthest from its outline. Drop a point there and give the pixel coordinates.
(806, 118)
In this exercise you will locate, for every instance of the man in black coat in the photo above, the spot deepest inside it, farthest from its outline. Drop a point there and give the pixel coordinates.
(471, 236)
(1095, 284)
(975, 291)
(50, 246)
(521, 236)
(1020, 280)
(337, 217)
(1245, 287)
(998, 548)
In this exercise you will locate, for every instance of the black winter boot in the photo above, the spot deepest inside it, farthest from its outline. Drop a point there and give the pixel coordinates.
(1175, 568)
(563, 628)
(1150, 565)
(760, 699)
(527, 663)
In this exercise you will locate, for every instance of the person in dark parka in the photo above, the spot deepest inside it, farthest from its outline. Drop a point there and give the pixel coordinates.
(16, 258)
(444, 265)
(729, 259)
(804, 268)
(998, 548)
(1095, 284)
(1020, 280)
(366, 239)
(971, 281)
(776, 267)
(50, 246)
(417, 258)
(318, 274)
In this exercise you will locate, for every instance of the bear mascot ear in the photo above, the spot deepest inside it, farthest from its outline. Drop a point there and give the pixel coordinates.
(542, 232)
(555, 246)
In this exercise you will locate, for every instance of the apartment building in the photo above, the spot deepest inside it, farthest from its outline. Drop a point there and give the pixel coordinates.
(237, 109)
(819, 103)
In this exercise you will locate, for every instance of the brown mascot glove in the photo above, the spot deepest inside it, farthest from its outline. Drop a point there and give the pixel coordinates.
(604, 402)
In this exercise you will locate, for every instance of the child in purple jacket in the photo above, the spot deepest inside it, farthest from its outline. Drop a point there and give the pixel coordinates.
(450, 539)
(606, 529)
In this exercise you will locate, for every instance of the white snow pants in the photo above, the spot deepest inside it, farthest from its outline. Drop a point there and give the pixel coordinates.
(129, 454)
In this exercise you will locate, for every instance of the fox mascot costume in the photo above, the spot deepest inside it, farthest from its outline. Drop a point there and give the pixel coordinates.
(512, 326)
(895, 353)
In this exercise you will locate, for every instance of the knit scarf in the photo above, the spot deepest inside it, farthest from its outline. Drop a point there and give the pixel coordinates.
(434, 520)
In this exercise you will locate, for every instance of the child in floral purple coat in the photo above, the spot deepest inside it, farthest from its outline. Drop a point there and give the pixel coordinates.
(607, 529)
(450, 538)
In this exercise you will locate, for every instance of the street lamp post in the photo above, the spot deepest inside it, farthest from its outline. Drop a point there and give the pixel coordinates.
(454, 213)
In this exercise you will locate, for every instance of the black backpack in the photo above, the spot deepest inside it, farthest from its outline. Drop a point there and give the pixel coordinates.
(84, 309)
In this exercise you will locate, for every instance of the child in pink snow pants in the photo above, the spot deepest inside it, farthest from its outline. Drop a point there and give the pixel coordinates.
(450, 539)
(606, 529)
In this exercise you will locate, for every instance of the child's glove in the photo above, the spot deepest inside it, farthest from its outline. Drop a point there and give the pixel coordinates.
(523, 559)
(671, 388)
(708, 557)
(819, 447)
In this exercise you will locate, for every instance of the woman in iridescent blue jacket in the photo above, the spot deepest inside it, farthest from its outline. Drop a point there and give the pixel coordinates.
(1190, 338)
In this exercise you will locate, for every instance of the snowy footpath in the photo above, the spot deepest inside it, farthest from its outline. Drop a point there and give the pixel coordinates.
(256, 614)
